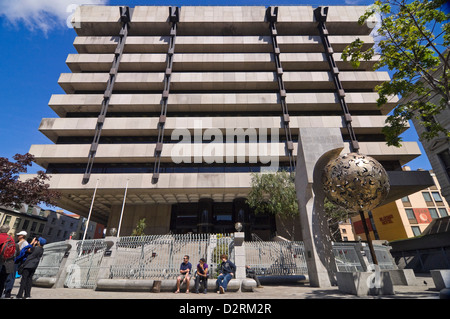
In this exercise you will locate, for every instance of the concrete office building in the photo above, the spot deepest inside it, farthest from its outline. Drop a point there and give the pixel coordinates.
(406, 217)
(152, 86)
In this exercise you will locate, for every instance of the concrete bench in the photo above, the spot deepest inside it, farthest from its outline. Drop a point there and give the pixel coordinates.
(170, 285)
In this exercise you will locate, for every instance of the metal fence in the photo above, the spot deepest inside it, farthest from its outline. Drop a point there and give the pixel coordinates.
(160, 256)
(83, 272)
(275, 258)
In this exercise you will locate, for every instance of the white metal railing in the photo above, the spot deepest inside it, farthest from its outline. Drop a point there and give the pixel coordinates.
(274, 258)
(160, 256)
(83, 273)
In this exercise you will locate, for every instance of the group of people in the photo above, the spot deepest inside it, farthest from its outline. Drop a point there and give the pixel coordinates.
(22, 258)
(227, 270)
(18, 258)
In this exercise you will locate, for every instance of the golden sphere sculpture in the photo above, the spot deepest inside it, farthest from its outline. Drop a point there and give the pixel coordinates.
(355, 182)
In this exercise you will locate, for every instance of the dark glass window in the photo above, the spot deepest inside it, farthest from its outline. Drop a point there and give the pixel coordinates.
(445, 160)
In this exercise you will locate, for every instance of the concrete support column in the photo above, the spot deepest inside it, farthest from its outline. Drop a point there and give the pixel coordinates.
(205, 215)
(241, 214)
(316, 147)
(239, 255)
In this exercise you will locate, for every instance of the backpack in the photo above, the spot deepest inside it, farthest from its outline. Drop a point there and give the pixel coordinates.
(8, 248)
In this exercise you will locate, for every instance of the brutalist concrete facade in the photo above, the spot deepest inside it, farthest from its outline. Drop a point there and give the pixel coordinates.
(148, 77)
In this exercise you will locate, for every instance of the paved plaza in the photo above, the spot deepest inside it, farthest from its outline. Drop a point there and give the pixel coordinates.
(424, 289)
(271, 301)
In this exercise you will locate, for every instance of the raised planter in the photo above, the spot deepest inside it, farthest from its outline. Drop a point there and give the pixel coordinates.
(441, 278)
(361, 283)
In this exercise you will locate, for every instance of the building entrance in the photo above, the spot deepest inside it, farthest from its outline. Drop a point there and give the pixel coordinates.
(208, 216)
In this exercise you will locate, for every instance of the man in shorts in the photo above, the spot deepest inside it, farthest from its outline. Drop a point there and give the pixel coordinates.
(185, 274)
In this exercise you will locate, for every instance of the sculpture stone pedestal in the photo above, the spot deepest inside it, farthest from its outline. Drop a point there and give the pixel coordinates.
(365, 283)
(316, 147)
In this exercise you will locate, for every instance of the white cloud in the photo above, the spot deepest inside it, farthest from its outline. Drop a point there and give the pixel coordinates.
(353, 2)
(41, 14)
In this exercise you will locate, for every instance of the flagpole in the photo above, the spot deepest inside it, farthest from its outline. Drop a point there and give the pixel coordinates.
(123, 207)
(89, 218)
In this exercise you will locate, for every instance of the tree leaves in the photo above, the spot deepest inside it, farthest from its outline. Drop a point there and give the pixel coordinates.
(14, 192)
(273, 194)
(335, 215)
(413, 44)
(140, 227)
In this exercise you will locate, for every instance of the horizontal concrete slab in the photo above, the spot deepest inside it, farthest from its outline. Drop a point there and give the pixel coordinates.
(222, 81)
(404, 183)
(123, 126)
(178, 187)
(382, 152)
(195, 62)
(178, 152)
(217, 20)
(216, 44)
(218, 102)
(171, 153)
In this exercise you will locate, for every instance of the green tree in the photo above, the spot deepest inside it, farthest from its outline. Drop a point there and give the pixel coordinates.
(139, 230)
(274, 193)
(335, 215)
(413, 43)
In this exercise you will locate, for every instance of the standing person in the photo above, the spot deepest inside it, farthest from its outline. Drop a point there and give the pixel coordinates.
(202, 275)
(21, 237)
(227, 271)
(21, 243)
(7, 252)
(29, 267)
(185, 270)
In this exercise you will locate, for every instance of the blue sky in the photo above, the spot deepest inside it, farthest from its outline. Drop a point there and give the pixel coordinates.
(35, 44)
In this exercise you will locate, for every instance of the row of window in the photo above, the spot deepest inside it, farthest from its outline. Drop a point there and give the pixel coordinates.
(433, 213)
(26, 223)
(444, 157)
(427, 197)
(117, 168)
(35, 229)
(54, 220)
(193, 139)
(220, 113)
(58, 234)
